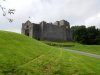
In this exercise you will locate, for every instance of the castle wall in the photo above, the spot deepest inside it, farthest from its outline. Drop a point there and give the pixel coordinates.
(54, 33)
(22, 29)
(68, 34)
(60, 31)
(37, 31)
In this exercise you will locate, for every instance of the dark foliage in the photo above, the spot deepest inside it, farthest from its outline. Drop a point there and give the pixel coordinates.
(90, 35)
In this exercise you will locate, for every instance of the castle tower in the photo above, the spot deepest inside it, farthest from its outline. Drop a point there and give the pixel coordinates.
(27, 28)
(66, 26)
(57, 23)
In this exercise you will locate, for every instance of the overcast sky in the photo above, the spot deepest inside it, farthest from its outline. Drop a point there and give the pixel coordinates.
(77, 12)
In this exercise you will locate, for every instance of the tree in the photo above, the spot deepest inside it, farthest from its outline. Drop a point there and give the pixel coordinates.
(84, 35)
(98, 37)
(92, 33)
(10, 11)
(79, 33)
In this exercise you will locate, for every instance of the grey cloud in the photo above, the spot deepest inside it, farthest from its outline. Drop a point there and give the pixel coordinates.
(77, 12)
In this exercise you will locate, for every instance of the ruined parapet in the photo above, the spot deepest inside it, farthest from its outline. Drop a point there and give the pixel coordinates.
(66, 27)
(64, 23)
(56, 23)
(43, 23)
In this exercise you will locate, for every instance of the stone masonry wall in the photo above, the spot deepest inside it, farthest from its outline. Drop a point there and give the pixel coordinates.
(54, 33)
(59, 31)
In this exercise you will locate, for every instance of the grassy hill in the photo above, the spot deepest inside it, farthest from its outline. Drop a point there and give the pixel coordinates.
(21, 55)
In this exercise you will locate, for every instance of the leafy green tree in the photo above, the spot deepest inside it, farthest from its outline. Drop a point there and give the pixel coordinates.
(98, 37)
(79, 33)
(84, 35)
(92, 33)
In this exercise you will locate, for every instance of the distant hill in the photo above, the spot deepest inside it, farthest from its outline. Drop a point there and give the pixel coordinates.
(22, 55)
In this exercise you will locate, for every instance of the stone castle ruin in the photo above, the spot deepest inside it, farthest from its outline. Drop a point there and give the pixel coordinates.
(59, 31)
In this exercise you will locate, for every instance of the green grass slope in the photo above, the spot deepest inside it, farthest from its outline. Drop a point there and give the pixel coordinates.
(21, 55)
(95, 49)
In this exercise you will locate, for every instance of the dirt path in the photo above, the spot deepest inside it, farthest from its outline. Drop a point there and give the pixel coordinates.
(85, 53)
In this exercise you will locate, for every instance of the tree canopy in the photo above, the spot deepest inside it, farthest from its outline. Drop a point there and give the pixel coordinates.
(89, 35)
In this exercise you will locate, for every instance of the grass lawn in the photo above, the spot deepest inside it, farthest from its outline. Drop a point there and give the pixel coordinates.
(95, 49)
(21, 55)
